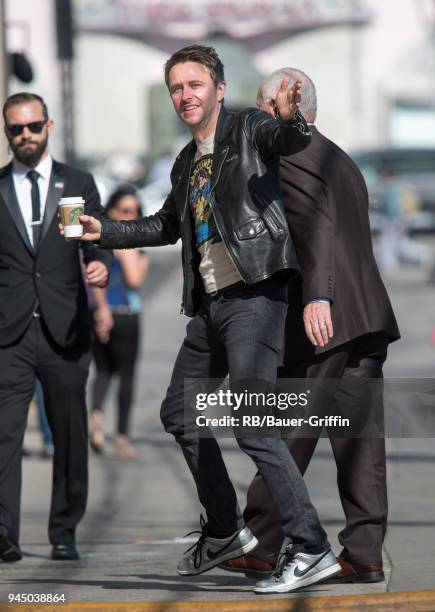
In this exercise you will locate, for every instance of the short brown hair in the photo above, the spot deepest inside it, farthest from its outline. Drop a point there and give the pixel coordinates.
(22, 98)
(201, 54)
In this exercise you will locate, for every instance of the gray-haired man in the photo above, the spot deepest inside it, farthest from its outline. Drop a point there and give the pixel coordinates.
(338, 327)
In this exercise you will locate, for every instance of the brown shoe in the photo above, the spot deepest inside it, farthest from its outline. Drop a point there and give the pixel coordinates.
(250, 566)
(354, 572)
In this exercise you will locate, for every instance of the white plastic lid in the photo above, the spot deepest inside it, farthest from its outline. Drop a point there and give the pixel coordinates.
(73, 200)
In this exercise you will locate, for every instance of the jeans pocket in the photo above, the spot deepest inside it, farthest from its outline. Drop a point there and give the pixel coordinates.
(277, 314)
(270, 321)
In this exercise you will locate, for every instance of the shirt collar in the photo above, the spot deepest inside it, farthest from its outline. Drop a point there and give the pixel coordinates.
(44, 167)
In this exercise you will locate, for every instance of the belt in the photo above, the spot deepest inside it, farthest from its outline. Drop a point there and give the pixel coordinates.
(225, 290)
(234, 289)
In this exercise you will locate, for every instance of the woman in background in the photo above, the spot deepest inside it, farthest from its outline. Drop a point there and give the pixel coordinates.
(117, 329)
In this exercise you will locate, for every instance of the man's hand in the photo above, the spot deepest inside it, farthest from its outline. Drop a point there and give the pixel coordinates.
(91, 228)
(318, 323)
(288, 99)
(97, 275)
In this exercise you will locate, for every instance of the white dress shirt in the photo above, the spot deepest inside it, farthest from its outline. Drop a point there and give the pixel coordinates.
(23, 188)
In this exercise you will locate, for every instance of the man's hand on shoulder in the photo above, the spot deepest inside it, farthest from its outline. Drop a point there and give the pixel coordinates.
(318, 323)
(97, 275)
(288, 99)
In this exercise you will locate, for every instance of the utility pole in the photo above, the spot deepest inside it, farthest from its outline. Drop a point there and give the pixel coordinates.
(3, 82)
(65, 54)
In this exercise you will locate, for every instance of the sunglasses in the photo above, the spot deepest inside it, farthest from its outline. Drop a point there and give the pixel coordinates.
(35, 127)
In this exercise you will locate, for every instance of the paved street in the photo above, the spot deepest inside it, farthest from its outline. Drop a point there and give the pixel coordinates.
(130, 538)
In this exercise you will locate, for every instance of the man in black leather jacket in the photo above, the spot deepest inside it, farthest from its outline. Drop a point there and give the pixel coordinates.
(237, 254)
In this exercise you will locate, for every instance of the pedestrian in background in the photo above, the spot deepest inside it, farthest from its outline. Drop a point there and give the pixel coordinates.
(117, 315)
(47, 451)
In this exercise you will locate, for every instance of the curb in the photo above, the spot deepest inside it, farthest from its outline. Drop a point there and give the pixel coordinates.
(412, 601)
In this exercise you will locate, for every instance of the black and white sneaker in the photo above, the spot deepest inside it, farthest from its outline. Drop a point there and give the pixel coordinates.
(208, 552)
(295, 571)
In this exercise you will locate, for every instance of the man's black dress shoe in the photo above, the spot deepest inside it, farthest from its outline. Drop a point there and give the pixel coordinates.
(64, 552)
(9, 551)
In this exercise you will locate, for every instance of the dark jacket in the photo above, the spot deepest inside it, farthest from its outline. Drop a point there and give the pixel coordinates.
(52, 274)
(245, 199)
(326, 203)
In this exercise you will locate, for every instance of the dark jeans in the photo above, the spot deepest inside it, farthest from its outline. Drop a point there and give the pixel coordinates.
(240, 332)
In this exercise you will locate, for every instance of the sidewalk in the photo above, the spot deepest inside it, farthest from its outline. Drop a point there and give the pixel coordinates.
(130, 539)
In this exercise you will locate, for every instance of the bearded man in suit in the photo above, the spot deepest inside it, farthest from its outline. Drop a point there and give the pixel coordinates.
(339, 324)
(45, 329)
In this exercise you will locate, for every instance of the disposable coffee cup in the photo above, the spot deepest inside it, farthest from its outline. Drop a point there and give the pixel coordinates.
(70, 209)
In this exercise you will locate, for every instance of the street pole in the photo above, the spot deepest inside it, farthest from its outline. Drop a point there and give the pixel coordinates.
(67, 90)
(3, 82)
(65, 54)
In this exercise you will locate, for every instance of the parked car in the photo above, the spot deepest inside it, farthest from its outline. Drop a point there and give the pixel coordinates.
(413, 170)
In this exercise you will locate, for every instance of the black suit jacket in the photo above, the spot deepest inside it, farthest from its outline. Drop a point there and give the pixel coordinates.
(326, 203)
(52, 274)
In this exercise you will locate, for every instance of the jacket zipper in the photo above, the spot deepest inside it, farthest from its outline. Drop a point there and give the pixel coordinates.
(183, 213)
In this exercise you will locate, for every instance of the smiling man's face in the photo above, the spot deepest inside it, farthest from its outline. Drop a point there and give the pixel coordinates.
(196, 98)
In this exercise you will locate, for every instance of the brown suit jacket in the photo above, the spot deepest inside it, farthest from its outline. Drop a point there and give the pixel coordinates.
(326, 203)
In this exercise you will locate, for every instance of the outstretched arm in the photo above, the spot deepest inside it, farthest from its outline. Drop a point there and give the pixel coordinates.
(154, 230)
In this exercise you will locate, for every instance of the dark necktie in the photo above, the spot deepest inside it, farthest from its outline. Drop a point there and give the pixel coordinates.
(33, 176)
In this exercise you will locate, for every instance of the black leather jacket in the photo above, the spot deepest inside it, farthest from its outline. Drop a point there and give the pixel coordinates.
(245, 198)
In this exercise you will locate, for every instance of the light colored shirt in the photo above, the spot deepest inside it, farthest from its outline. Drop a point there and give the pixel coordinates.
(216, 267)
(23, 188)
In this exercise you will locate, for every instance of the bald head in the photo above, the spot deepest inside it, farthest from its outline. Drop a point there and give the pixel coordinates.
(270, 85)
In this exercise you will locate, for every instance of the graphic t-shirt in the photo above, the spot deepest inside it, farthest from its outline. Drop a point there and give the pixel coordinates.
(216, 268)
